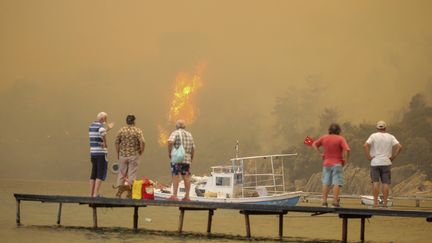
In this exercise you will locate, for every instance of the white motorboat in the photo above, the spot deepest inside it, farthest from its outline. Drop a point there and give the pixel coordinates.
(257, 179)
(368, 201)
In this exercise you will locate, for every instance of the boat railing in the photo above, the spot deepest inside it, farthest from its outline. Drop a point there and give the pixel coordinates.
(264, 156)
(262, 174)
(262, 170)
(225, 169)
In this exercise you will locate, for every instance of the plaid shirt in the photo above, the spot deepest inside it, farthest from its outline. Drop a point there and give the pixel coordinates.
(188, 142)
(128, 139)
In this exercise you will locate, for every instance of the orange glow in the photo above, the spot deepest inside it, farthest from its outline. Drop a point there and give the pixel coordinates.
(183, 105)
(163, 136)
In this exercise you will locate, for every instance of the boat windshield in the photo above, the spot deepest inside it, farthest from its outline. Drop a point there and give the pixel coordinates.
(223, 181)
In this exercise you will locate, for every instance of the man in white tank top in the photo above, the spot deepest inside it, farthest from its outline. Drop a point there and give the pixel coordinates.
(381, 148)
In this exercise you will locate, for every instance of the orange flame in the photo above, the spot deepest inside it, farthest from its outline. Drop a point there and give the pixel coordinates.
(183, 103)
(163, 136)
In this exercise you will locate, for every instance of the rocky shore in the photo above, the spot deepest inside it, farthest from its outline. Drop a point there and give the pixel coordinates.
(406, 181)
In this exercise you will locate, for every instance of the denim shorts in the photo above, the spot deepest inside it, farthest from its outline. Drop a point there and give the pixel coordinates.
(333, 175)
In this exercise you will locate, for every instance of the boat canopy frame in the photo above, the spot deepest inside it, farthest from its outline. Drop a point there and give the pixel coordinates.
(241, 165)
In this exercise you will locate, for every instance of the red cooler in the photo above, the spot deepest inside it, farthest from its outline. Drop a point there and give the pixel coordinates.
(147, 190)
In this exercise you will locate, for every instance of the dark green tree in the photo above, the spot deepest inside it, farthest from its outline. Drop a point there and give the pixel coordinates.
(328, 116)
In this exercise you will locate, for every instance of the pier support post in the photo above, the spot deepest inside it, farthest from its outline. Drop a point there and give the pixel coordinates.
(344, 229)
(362, 229)
(246, 213)
(95, 225)
(135, 219)
(247, 222)
(280, 226)
(18, 212)
(59, 213)
(209, 221)
(180, 228)
(345, 218)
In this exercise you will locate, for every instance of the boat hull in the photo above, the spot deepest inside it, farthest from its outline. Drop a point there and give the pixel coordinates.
(368, 201)
(284, 199)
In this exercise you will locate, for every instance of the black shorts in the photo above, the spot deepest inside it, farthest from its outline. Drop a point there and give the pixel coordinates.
(382, 173)
(180, 169)
(99, 167)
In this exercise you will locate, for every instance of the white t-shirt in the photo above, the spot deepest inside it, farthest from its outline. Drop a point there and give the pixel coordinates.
(381, 148)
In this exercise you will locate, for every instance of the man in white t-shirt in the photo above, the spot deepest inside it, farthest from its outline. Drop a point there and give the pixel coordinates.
(381, 149)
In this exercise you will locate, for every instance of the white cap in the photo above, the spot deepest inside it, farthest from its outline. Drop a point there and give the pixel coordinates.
(381, 125)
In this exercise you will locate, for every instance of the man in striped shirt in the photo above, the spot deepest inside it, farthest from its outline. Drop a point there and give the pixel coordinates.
(98, 152)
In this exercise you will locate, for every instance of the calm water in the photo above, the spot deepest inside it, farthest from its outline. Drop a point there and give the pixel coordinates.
(159, 224)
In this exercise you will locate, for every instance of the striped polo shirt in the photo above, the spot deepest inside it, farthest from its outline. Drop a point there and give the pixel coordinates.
(96, 132)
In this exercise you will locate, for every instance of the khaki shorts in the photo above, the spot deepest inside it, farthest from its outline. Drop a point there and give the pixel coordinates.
(128, 169)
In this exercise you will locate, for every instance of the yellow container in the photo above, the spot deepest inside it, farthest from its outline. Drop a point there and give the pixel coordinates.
(136, 189)
(210, 194)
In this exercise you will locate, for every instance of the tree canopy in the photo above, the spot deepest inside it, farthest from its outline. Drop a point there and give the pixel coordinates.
(413, 131)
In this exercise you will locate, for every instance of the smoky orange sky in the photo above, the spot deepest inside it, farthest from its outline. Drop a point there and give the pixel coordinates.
(62, 62)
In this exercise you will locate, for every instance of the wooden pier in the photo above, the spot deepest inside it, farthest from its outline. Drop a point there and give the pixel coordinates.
(245, 209)
(416, 199)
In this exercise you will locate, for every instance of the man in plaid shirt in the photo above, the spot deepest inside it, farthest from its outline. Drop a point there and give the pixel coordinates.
(181, 136)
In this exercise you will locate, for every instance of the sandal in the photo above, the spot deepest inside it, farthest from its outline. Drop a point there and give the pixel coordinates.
(186, 199)
(173, 198)
(336, 205)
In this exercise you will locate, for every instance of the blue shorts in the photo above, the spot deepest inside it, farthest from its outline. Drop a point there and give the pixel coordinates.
(180, 169)
(333, 175)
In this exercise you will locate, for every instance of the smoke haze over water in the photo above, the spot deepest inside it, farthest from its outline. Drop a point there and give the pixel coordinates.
(62, 62)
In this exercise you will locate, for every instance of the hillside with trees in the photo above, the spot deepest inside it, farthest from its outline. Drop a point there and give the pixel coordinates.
(413, 130)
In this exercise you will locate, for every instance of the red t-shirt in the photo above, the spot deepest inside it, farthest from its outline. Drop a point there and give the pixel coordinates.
(333, 146)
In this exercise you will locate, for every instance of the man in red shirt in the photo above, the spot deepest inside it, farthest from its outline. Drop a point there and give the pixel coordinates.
(335, 156)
